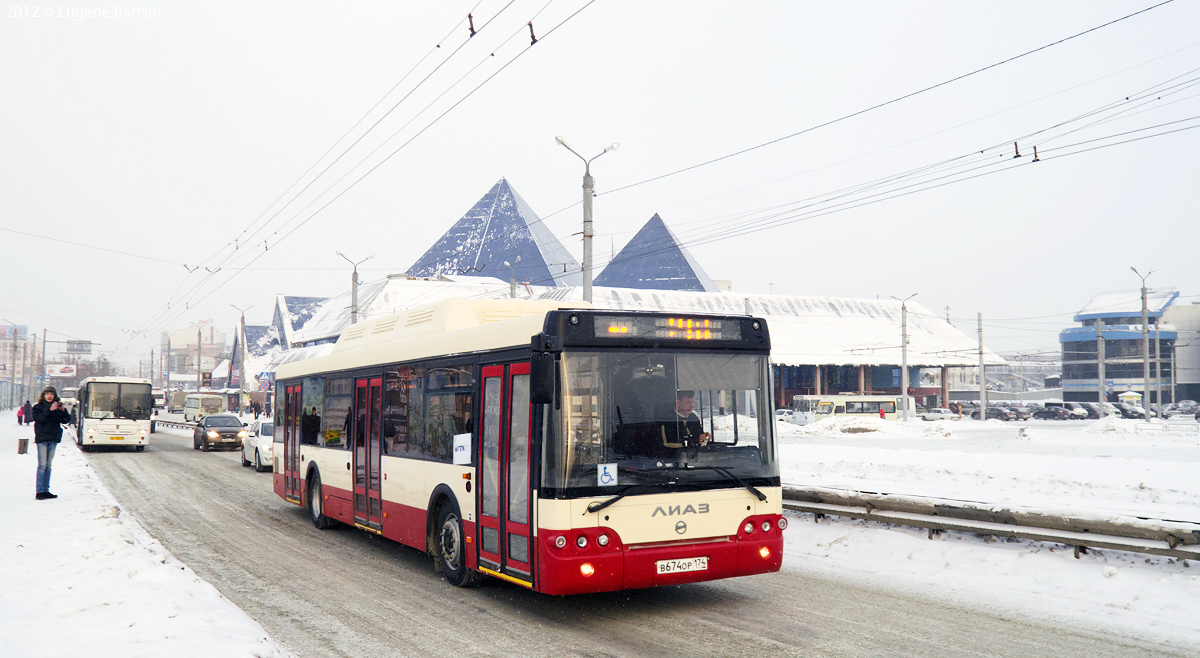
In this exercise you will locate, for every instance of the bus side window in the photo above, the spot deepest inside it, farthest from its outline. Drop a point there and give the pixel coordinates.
(839, 410)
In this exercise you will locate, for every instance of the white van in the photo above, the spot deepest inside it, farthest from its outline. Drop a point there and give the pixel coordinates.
(197, 405)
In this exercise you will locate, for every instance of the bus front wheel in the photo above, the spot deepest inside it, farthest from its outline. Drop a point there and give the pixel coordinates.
(451, 547)
(316, 507)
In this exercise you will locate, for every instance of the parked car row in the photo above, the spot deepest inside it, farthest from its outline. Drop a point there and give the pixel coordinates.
(1044, 411)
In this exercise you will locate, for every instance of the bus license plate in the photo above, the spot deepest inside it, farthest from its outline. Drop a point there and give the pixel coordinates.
(680, 566)
(117, 438)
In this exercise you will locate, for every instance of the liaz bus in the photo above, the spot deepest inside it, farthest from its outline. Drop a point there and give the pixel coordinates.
(565, 450)
(113, 411)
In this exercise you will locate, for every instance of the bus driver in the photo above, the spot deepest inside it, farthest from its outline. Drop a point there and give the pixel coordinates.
(685, 429)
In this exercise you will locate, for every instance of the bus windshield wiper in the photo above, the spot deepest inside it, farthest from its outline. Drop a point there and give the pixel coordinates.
(730, 475)
(596, 506)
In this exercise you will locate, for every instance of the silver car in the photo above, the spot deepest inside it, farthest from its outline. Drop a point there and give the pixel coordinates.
(256, 448)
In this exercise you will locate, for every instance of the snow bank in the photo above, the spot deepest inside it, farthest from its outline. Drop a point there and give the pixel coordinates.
(876, 426)
(81, 577)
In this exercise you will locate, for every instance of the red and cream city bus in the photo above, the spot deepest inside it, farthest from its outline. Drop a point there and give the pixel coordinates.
(566, 450)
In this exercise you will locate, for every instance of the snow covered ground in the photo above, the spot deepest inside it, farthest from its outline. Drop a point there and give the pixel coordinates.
(82, 578)
(1107, 469)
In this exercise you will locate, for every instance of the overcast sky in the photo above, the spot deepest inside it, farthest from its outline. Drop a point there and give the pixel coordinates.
(168, 129)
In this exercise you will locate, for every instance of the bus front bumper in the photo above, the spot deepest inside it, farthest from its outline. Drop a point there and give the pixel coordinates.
(576, 570)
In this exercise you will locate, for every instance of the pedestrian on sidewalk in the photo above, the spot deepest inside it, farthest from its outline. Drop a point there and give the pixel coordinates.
(28, 408)
(21, 415)
(49, 415)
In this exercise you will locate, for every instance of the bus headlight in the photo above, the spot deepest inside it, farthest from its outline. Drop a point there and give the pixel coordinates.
(764, 552)
(91, 430)
(142, 431)
(782, 523)
(560, 541)
(766, 526)
(587, 569)
(581, 541)
(602, 540)
(748, 528)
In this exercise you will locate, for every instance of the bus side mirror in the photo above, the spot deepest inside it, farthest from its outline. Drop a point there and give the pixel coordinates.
(541, 378)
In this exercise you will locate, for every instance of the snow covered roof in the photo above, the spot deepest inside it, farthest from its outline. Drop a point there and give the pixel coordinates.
(393, 294)
(655, 260)
(804, 330)
(261, 339)
(1119, 303)
(500, 227)
(292, 313)
(815, 330)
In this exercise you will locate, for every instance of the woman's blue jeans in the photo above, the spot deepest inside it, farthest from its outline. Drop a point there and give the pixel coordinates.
(45, 456)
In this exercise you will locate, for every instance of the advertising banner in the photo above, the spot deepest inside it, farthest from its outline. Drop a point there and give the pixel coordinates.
(60, 370)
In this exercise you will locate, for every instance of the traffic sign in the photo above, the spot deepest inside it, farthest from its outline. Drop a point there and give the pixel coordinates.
(264, 385)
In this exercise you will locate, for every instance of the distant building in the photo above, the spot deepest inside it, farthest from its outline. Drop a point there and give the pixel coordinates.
(1186, 358)
(1117, 316)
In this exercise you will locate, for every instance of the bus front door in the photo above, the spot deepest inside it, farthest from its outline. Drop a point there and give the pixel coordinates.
(505, 538)
(368, 402)
(291, 444)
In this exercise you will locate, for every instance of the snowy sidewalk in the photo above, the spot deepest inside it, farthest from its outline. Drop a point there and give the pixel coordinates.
(83, 578)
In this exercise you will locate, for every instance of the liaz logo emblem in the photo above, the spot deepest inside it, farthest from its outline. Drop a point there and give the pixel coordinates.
(681, 527)
(679, 510)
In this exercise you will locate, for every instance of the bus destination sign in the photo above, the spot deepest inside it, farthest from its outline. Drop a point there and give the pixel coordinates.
(672, 328)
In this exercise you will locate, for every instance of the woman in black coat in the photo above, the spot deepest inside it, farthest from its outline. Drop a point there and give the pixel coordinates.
(49, 415)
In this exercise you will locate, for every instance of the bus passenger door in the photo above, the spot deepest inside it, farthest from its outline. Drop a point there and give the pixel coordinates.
(291, 443)
(368, 403)
(505, 535)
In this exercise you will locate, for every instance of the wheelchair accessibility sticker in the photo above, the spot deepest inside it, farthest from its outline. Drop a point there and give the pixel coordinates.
(606, 475)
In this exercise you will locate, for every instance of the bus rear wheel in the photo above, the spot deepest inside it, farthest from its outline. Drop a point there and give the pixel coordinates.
(316, 507)
(450, 547)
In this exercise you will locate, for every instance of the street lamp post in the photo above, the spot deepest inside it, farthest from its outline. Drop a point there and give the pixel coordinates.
(904, 352)
(354, 285)
(589, 187)
(241, 337)
(1145, 341)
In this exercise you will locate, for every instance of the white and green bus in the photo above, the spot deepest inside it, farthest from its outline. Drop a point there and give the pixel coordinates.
(114, 411)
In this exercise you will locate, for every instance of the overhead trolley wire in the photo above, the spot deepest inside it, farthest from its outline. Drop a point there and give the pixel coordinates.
(259, 254)
(887, 103)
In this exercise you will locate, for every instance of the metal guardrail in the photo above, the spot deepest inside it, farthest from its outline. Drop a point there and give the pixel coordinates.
(176, 424)
(1177, 539)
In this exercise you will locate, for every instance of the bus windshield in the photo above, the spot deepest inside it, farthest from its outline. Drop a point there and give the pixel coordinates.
(670, 420)
(114, 400)
(805, 406)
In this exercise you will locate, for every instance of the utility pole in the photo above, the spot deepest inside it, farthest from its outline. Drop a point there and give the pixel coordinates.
(353, 287)
(1157, 370)
(589, 191)
(1145, 343)
(167, 367)
(904, 352)
(199, 354)
(982, 374)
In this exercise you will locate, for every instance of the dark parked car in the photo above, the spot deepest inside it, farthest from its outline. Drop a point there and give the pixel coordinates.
(1052, 413)
(1093, 409)
(1022, 413)
(1130, 411)
(218, 430)
(997, 412)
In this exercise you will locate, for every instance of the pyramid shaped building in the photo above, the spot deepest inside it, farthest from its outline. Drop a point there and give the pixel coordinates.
(500, 227)
(655, 260)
